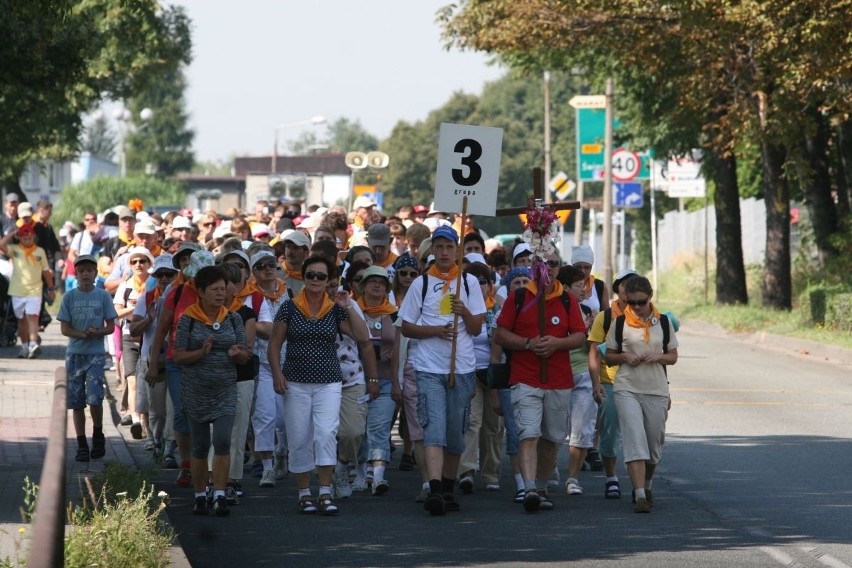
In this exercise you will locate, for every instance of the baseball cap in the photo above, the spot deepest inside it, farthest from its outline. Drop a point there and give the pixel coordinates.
(259, 230)
(433, 211)
(378, 235)
(624, 274)
(26, 229)
(473, 257)
(521, 249)
(374, 271)
(239, 254)
(12, 198)
(145, 227)
(186, 248)
(445, 232)
(25, 209)
(420, 209)
(162, 262)
(363, 201)
(85, 258)
(260, 255)
(123, 212)
(298, 238)
(181, 222)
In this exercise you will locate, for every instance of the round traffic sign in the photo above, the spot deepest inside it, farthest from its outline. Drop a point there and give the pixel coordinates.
(625, 165)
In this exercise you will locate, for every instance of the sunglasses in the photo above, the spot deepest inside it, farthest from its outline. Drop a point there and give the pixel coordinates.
(408, 273)
(638, 303)
(139, 261)
(553, 263)
(311, 275)
(167, 274)
(264, 266)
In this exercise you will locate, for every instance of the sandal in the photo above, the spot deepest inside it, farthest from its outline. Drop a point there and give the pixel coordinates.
(326, 505)
(612, 490)
(307, 505)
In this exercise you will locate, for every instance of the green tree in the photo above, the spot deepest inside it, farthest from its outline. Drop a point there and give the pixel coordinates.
(162, 145)
(103, 193)
(61, 57)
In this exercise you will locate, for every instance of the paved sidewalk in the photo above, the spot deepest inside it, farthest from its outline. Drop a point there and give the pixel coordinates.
(26, 392)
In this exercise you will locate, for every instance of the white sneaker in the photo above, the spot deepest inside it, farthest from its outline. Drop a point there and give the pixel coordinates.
(24, 352)
(380, 487)
(280, 466)
(554, 478)
(34, 350)
(268, 479)
(340, 483)
(360, 484)
(572, 487)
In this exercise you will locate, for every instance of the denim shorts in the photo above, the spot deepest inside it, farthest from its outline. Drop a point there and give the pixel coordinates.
(174, 376)
(513, 441)
(443, 411)
(85, 380)
(379, 423)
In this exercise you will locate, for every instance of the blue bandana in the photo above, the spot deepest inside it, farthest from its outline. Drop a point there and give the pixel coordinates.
(514, 273)
(406, 260)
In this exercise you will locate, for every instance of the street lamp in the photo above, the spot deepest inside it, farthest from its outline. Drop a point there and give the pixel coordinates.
(316, 120)
(124, 118)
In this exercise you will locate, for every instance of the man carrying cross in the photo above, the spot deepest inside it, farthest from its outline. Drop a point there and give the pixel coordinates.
(541, 397)
(444, 389)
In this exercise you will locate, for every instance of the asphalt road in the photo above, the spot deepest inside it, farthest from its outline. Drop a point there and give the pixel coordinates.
(755, 473)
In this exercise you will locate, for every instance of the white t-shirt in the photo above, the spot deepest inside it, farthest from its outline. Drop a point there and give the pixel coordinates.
(119, 302)
(267, 312)
(141, 310)
(432, 354)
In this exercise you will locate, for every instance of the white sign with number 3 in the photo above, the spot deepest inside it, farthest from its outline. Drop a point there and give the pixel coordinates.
(468, 166)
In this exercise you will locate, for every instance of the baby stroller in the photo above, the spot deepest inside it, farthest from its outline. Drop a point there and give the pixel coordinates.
(9, 324)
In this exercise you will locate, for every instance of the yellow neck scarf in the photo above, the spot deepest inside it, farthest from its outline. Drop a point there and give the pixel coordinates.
(389, 260)
(554, 293)
(450, 276)
(125, 238)
(249, 289)
(383, 309)
(301, 302)
(590, 283)
(29, 252)
(138, 284)
(197, 313)
(294, 274)
(616, 308)
(156, 251)
(633, 320)
(280, 288)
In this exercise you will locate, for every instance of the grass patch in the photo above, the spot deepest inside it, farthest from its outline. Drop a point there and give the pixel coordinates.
(682, 291)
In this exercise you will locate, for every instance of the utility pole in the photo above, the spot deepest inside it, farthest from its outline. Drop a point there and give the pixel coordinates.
(606, 264)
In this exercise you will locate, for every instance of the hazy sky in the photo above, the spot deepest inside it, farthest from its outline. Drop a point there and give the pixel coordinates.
(261, 63)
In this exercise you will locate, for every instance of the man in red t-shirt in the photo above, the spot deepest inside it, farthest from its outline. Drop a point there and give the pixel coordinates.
(541, 408)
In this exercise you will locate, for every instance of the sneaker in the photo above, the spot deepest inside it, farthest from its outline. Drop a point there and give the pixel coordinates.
(220, 507)
(572, 487)
(184, 479)
(24, 352)
(268, 479)
(238, 487)
(150, 445)
(450, 503)
(169, 462)
(231, 496)
(340, 483)
(612, 490)
(136, 430)
(434, 503)
(98, 446)
(381, 487)
(82, 455)
(519, 496)
(593, 458)
(307, 505)
(492, 487)
(200, 507)
(466, 483)
(279, 467)
(369, 477)
(649, 496)
(360, 484)
(209, 491)
(126, 420)
(34, 351)
(326, 506)
(532, 501)
(641, 506)
(406, 462)
(422, 496)
(546, 504)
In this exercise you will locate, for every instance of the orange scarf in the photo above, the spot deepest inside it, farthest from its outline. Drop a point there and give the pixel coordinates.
(554, 293)
(389, 260)
(281, 287)
(301, 302)
(294, 274)
(195, 312)
(139, 286)
(29, 253)
(236, 304)
(490, 302)
(450, 276)
(633, 320)
(383, 309)
(249, 289)
(156, 251)
(590, 283)
(616, 308)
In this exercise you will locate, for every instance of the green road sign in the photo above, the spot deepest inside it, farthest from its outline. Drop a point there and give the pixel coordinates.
(591, 123)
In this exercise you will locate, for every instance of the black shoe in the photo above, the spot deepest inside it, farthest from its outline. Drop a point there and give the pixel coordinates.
(200, 507)
(169, 462)
(406, 463)
(450, 503)
(220, 507)
(593, 458)
(82, 455)
(435, 505)
(126, 420)
(98, 446)
(466, 483)
(532, 501)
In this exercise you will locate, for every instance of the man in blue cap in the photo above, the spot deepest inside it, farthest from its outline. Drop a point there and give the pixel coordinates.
(428, 311)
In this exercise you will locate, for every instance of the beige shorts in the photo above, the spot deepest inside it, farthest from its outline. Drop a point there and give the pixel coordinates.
(643, 425)
(541, 413)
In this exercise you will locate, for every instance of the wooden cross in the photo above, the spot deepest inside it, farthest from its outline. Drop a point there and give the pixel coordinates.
(538, 198)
